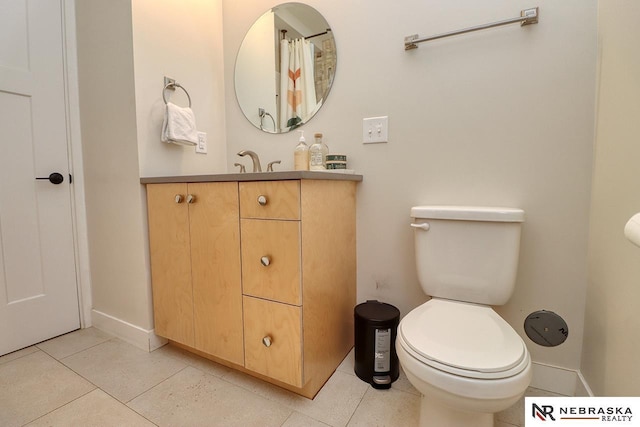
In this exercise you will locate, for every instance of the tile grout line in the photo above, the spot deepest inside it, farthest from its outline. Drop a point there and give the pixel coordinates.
(125, 404)
(79, 351)
(357, 406)
(61, 406)
(290, 415)
(96, 386)
(73, 400)
(154, 386)
(270, 399)
(19, 357)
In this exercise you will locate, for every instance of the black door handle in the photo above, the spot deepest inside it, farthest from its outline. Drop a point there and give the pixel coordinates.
(54, 178)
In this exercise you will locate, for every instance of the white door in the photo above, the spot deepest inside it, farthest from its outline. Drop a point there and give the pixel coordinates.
(38, 291)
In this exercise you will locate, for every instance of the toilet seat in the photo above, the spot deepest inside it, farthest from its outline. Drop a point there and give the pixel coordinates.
(463, 339)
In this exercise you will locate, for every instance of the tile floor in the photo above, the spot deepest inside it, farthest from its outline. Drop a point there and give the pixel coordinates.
(89, 378)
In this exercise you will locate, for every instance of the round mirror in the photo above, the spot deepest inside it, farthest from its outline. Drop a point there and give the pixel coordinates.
(285, 67)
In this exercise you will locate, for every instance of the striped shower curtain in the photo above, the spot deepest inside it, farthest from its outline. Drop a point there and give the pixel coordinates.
(297, 84)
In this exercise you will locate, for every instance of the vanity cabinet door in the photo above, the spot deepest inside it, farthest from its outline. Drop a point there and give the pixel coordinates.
(194, 238)
(170, 252)
(271, 260)
(270, 199)
(273, 340)
(215, 261)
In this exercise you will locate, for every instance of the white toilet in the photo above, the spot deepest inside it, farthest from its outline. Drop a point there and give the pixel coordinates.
(466, 360)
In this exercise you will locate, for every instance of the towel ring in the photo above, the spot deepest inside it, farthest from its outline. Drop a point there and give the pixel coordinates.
(172, 86)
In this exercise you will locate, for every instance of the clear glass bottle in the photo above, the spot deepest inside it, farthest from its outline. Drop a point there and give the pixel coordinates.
(301, 154)
(318, 154)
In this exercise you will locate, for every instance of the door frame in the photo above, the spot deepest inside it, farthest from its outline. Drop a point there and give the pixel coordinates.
(74, 150)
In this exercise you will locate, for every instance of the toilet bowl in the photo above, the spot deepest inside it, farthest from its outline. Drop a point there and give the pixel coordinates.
(467, 362)
(468, 365)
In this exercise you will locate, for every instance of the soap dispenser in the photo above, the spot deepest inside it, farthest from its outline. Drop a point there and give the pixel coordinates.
(301, 155)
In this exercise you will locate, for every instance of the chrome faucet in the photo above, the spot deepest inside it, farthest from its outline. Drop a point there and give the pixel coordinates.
(254, 159)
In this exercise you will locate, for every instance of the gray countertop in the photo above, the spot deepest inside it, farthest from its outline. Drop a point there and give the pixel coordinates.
(259, 176)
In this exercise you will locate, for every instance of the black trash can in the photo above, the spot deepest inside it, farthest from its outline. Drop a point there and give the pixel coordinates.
(376, 326)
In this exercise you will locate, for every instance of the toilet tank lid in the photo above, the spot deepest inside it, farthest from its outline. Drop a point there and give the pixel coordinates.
(468, 213)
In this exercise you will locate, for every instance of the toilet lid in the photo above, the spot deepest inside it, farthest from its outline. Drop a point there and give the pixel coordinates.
(463, 336)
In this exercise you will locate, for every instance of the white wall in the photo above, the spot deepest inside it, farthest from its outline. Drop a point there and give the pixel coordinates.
(115, 216)
(612, 323)
(181, 40)
(124, 50)
(502, 117)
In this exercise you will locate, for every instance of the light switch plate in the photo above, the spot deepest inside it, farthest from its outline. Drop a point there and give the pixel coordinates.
(202, 143)
(375, 130)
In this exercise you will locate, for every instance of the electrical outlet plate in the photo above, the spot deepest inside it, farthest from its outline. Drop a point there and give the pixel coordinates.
(375, 130)
(202, 143)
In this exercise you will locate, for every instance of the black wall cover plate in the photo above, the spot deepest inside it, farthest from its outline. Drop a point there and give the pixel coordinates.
(546, 328)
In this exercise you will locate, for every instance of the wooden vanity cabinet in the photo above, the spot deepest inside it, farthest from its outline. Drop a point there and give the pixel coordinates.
(273, 273)
(194, 244)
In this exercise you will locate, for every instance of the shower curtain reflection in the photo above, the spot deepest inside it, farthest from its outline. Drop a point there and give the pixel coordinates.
(297, 83)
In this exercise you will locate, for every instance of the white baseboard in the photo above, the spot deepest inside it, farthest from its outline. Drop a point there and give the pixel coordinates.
(144, 339)
(567, 382)
(582, 387)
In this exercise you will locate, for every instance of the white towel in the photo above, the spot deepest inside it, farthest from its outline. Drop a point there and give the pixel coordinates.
(179, 126)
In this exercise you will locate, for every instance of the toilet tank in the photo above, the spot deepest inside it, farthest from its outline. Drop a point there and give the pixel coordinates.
(467, 253)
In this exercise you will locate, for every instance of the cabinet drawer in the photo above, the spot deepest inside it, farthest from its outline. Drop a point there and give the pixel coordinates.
(270, 199)
(273, 340)
(277, 244)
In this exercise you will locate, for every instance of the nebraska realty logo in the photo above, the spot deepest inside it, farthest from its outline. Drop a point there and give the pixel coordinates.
(582, 411)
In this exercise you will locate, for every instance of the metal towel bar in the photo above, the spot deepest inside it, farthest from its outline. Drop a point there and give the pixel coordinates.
(527, 17)
(172, 85)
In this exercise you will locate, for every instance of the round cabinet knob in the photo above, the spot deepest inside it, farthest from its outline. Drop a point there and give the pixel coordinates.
(265, 260)
(191, 198)
(262, 200)
(178, 198)
(266, 341)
